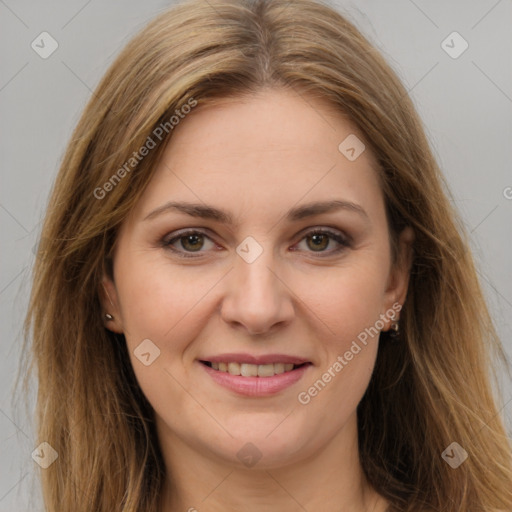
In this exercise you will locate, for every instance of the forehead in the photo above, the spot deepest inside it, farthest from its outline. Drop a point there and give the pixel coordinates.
(270, 149)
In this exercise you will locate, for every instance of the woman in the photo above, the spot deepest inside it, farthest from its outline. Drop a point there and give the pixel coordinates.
(252, 292)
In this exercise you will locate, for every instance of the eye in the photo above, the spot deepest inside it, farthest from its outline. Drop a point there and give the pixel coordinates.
(192, 241)
(319, 239)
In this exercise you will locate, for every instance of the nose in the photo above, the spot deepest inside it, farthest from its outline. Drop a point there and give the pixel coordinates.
(258, 299)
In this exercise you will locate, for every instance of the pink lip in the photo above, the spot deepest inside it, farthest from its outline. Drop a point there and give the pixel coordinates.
(255, 386)
(250, 359)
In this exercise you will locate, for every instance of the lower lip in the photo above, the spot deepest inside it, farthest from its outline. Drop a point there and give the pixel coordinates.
(256, 386)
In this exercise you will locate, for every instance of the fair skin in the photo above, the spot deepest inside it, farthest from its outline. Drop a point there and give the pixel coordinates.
(256, 158)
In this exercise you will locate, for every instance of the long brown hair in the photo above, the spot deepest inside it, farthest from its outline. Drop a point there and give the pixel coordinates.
(431, 389)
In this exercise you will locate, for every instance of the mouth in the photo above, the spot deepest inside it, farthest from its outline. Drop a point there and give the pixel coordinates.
(253, 370)
(243, 376)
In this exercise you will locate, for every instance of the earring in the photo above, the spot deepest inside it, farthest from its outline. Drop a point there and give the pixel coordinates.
(394, 331)
(109, 317)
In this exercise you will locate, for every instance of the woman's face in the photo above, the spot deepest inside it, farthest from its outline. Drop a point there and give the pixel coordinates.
(260, 243)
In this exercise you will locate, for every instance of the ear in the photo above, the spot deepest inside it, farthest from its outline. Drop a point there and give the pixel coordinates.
(398, 282)
(110, 305)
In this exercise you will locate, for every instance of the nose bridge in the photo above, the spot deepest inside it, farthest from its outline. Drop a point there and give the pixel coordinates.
(256, 278)
(256, 298)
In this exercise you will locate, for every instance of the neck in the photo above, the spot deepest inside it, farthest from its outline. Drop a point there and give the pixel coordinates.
(330, 480)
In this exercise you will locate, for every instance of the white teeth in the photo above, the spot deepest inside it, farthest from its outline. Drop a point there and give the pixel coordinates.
(234, 368)
(249, 370)
(253, 370)
(266, 370)
(278, 368)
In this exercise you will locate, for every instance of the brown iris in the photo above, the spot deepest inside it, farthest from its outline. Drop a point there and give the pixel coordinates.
(320, 241)
(192, 242)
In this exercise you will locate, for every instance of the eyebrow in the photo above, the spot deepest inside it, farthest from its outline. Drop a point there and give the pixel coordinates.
(300, 212)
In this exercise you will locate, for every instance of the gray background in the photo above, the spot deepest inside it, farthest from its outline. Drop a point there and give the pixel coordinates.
(466, 105)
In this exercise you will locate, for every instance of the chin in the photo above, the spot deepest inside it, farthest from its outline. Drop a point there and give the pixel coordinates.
(265, 445)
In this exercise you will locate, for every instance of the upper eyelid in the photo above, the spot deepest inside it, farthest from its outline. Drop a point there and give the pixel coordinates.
(207, 232)
(328, 230)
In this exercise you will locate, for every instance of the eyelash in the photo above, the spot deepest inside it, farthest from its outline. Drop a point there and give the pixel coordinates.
(337, 237)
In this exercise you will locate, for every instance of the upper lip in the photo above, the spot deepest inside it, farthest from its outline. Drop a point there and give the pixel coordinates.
(250, 359)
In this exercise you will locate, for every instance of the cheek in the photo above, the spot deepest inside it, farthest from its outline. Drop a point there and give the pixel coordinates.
(161, 304)
(155, 298)
(348, 305)
(345, 300)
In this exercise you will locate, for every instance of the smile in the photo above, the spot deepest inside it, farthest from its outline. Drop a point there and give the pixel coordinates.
(254, 380)
(253, 370)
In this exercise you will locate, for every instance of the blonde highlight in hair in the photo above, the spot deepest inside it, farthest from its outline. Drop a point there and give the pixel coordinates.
(433, 388)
